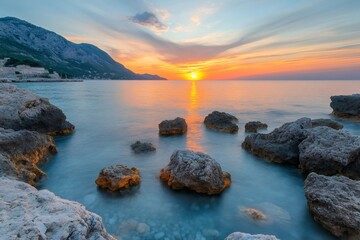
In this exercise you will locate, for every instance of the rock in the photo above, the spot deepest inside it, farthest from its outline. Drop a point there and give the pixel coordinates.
(335, 203)
(255, 126)
(195, 171)
(27, 213)
(118, 177)
(222, 122)
(142, 147)
(254, 213)
(128, 226)
(281, 145)
(346, 106)
(22, 151)
(173, 127)
(326, 123)
(22, 109)
(246, 236)
(159, 235)
(211, 233)
(327, 151)
(143, 228)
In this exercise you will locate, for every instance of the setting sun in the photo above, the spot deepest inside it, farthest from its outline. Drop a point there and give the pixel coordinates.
(194, 76)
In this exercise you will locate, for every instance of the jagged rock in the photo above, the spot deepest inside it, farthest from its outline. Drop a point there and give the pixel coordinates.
(27, 213)
(173, 127)
(142, 147)
(195, 171)
(118, 177)
(281, 145)
(246, 236)
(22, 151)
(222, 122)
(346, 106)
(254, 213)
(22, 109)
(335, 203)
(255, 126)
(326, 123)
(327, 151)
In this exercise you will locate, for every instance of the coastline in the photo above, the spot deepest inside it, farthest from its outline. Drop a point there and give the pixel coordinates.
(37, 80)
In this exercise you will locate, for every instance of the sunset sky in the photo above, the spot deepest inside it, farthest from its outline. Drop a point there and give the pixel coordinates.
(198, 39)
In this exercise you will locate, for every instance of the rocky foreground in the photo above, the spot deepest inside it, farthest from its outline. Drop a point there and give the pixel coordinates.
(320, 148)
(22, 109)
(27, 213)
(335, 204)
(22, 151)
(195, 171)
(246, 236)
(346, 106)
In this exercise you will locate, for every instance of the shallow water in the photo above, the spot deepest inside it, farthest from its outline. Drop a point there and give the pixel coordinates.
(110, 115)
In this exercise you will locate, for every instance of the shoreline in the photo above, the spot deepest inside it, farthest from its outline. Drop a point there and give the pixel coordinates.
(39, 80)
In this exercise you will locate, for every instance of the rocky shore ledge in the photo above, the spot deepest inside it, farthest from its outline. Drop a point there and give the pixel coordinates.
(22, 109)
(27, 122)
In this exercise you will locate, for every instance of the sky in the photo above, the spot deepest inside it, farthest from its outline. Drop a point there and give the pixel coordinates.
(208, 39)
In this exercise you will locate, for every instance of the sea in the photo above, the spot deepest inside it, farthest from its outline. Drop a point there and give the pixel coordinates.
(111, 115)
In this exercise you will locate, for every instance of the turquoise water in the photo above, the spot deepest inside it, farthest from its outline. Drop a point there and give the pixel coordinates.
(110, 115)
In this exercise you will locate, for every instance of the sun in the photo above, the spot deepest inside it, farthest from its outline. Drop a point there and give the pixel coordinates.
(194, 76)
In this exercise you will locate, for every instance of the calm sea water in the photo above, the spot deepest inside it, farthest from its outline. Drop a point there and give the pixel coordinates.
(110, 115)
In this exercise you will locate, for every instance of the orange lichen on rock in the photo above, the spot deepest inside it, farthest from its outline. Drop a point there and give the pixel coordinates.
(118, 177)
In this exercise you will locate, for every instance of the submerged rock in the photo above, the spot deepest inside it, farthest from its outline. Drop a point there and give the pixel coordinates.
(195, 171)
(118, 177)
(27, 213)
(328, 152)
(346, 106)
(335, 203)
(326, 123)
(281, 145)
(21, 152)
(173, 127)
(22, 109)
(255, 126)
(246, 236)
(222, 122)
(254, 213)
(142, 147)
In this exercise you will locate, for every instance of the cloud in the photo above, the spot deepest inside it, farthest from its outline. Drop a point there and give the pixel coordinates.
(149, 19)
(303, 19)
(196, 20)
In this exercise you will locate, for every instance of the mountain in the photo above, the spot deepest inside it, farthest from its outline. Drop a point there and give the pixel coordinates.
(26, 42)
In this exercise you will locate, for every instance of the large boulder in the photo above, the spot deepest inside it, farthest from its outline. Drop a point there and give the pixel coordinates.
(195, 171)
(335, 203)
(173, 127)
(326, 123)
(118, 177)
(246, 236)
(222, 122)
(346, 106)
(255, 126)
(328, 152)
(22, 151)
(281, 145)
(27, 213)
(22, 109)
(142, 147)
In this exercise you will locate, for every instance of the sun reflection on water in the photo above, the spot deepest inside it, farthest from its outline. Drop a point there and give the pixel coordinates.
(194, 120)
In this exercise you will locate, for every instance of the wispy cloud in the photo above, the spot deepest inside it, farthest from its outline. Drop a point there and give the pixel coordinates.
(149, 19)
(196, 20)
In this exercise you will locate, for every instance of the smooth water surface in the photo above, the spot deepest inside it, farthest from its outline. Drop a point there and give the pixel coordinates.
(110, 115)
